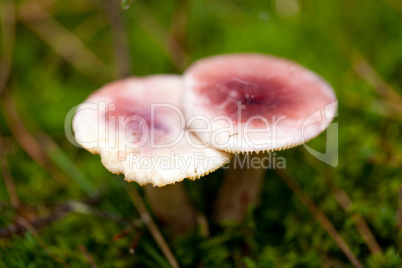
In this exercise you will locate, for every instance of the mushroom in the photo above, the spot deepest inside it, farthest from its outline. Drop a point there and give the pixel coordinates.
(252, 103)
(138, 128)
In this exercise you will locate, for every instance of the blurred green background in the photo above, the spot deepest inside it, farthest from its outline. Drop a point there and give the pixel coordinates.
(60, 207)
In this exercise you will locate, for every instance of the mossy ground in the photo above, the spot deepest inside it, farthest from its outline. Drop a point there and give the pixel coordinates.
(355, 45)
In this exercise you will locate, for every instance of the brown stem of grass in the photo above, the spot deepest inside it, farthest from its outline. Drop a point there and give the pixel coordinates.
(162, 37)
(63, 41)
(319, 215)
(8, 179)
(399, 213)
(87, 255)
(362, 227)
(24, 138)
(119, 36)
(149, 222)
(345, 203)
(7, 18)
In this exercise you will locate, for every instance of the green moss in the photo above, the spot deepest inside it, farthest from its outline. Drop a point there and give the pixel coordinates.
(326, 36)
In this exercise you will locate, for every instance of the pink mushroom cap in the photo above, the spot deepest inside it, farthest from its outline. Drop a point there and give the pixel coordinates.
(242, 103)
(138, 128)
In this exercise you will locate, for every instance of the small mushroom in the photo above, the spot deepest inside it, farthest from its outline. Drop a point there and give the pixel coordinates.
(137, 127)
(253, 103)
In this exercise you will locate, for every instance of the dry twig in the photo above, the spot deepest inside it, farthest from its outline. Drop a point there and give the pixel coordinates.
(85, 207)
(20, 227)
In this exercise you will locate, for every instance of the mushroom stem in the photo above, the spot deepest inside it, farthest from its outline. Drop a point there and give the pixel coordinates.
(240, 189)
(171, 205)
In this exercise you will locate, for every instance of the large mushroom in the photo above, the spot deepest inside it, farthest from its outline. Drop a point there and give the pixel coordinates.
(251, 103)
(137, 127)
